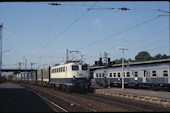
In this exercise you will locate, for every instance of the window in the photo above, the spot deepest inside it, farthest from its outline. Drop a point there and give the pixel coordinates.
(110, 74)
(99, 74)
(165, 73)
(96, 74)
(103, 74)
(153, 73)
(114, 74)
(75, 67)
(63, 69)
(128, 74)
(84, 67)
(136, 74)
(118, 74)
(66, 68)
(124, 74)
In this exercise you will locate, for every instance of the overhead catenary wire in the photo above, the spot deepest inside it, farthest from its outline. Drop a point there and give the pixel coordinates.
(19, 36)
(111, 36)
(49, 25)
(62, 31)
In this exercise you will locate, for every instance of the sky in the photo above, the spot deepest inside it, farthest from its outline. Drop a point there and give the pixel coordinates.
(41, 33)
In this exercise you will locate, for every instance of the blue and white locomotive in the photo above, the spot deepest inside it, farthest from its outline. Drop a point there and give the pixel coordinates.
(152, 74)
(71, 76)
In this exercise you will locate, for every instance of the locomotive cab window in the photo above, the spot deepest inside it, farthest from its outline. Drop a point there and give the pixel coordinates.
(84, 67)
(75, 67)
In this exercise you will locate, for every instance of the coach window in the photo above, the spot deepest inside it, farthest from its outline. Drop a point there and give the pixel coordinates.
(75, 67)
(103, 74)
(100, 75)
(96, 74)
(110, 74)
(165, 73)
(153, 73)
(136, 74)
(114, 74)
(128, 74)
(66, 68)
(124, 74)
(118, 74)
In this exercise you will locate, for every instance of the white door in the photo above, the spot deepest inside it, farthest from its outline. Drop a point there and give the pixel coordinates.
(144, 76)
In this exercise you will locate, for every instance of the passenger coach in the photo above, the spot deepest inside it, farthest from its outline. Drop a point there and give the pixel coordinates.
(152, 74)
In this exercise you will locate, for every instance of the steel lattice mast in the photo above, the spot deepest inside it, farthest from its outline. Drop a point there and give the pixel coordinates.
(1, 26)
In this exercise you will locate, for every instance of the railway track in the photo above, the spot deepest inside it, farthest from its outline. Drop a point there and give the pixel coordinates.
(59, 104)
(73, 102)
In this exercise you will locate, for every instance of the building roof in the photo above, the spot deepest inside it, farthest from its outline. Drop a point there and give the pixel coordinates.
(135, 63)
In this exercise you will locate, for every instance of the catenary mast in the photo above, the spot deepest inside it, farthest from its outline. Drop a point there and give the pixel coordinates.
(1, 26)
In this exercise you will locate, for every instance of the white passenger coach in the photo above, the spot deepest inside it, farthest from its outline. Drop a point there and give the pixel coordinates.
(152, 74)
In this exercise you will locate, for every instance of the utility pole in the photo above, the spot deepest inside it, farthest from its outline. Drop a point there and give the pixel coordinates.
(122, 65)
(25, 68)
(67, 56)
(20, 69)
(1, 26)
(31, 70)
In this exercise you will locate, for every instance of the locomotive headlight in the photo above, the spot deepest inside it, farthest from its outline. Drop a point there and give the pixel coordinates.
(118, 78)
(74, 77)
(136, 78)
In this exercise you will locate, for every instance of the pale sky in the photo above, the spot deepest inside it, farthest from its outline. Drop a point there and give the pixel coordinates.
(41, 33)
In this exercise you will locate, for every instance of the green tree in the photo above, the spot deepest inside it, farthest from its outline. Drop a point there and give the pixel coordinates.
(143, 56)
(164, 56)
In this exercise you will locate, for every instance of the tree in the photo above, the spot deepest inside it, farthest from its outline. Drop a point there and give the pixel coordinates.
(164, 56)
(158, 56)
(118, 61)
(143, 56)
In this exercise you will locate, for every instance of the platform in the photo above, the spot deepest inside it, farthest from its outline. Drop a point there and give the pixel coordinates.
(156, 97)
(15, 98)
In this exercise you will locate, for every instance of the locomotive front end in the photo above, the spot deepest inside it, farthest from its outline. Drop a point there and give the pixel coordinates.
(81, 80)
